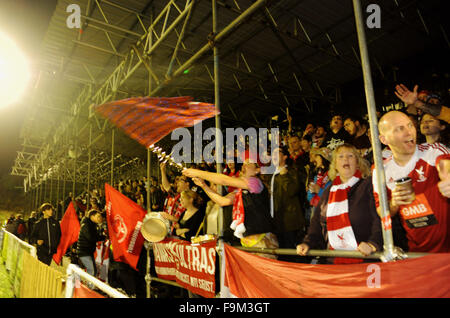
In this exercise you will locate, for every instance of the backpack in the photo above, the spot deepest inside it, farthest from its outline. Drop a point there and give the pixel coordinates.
(21, 229)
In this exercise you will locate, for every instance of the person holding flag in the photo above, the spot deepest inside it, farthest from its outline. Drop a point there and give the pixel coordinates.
(70, 229)
(124, 218)
(88, 238)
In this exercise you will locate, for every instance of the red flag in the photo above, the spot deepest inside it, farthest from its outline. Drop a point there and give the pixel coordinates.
(148, 119)
(124, 218)
(70, 228)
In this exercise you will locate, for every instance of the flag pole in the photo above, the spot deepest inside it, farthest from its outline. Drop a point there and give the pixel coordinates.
(219, 141)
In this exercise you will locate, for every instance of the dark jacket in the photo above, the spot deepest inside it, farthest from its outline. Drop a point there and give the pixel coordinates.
(288, 208)
(362, 213)
(49, 231)
(257, 212)
(88, 238)
(31, 224)
(193, 223)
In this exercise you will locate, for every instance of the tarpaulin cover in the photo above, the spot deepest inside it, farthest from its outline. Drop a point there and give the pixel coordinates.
(251, 276)
(149, 119)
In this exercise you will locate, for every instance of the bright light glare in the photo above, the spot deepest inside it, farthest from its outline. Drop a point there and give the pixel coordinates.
(14, 72)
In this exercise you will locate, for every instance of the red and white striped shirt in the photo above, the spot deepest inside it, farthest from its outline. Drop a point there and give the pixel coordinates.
(421, 168)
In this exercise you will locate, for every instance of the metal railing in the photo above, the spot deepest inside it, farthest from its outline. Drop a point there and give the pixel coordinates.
(329, 253)
(74, 273)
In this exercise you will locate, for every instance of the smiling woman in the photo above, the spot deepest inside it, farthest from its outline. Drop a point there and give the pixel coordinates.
(14, 71)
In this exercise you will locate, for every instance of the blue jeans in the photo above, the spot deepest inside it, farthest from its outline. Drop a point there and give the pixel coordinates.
(88, 263)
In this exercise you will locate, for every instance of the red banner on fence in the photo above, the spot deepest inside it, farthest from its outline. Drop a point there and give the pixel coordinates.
(251, 276)
(191, 265)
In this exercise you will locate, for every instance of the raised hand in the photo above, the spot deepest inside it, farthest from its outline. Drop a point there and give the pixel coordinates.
(405, 94)
(200, 182)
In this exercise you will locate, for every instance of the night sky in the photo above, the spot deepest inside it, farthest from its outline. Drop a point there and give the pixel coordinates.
(25, 22)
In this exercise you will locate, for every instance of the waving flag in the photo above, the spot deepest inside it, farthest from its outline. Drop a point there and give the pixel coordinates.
(124, 218)
(70, 228)
(149, 119)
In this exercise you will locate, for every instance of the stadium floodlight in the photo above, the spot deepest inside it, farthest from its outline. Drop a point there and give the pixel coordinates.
(14, 71)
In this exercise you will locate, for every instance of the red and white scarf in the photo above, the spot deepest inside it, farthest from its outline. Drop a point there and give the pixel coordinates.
(238, 215)
(173, 207)
(340, 232)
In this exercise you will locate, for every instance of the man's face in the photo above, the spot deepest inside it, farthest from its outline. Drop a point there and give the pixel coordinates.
(48, 212)
(400, 134)
(305, 145)
(294, 143)
(350, 127)
(429, 125)
(309, 129)
(97, 218)
(320, 132)
(422, 97)
(336, 122)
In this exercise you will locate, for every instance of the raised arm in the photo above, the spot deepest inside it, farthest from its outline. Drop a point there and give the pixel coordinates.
(411, 99)
(165, 182)
(217, 178)
(213, 195)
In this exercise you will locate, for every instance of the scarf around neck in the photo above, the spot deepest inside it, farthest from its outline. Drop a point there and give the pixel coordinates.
(340, 232)
(238, 215)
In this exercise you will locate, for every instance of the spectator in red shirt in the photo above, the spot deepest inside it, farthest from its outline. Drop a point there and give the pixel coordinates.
(424, 209)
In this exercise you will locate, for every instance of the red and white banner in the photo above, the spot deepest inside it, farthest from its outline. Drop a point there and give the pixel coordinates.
(124, 218)
(251, 276)
(191, 265)
(101, 257)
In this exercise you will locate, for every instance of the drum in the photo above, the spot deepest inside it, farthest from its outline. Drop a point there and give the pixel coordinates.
(155, 228)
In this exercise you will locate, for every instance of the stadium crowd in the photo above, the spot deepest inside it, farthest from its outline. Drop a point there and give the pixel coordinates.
(323, 194)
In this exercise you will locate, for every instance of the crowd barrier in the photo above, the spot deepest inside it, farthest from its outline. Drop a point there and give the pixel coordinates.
(74, 276)
(33, 279)
(40, 280)
(13, 252)
(194, 267)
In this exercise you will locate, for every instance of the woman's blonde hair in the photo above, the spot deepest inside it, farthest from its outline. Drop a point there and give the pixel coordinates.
(362, 164)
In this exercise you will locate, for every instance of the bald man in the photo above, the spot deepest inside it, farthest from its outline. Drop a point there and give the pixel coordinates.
(424, 212)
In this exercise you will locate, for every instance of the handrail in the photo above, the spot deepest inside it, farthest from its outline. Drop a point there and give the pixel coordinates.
(324, 253)
(70, 285)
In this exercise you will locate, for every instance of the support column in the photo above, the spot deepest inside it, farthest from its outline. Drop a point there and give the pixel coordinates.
(149, 163)
(88, 200)
(58, 217)
(219, 141)
(371, 108)
(111, 179)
